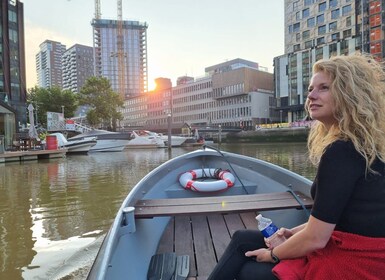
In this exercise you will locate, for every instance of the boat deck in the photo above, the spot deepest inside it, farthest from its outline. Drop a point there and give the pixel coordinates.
(204, 238)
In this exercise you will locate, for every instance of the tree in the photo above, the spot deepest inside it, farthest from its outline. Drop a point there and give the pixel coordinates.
(52, 100)
(103, 102)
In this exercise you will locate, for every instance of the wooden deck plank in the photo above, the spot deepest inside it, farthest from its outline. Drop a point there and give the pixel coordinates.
(204, 250)
(184, 240)
(249, 220)
(219, 233)
(205, 205)
(234, 223)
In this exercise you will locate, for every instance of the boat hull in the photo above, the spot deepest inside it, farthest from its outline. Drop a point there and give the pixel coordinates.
(127, 250)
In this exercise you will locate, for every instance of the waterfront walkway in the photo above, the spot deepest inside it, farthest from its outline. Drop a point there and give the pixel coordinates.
(13, 156)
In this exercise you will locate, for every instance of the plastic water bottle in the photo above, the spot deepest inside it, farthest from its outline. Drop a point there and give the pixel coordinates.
(269, 230)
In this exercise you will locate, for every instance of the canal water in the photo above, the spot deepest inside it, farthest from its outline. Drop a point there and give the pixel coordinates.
(54, 213)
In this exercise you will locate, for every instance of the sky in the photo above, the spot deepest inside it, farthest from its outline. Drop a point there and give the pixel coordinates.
(183, 37)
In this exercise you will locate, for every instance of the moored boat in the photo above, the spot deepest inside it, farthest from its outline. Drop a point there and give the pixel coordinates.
(172, 218)
(76, 146)
(107, 141)
(145, 139)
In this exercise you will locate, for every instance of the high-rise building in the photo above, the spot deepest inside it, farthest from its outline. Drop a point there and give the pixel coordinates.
(49, 64)
(12, 68)
(121, 55)
(317, 29)
(77, 63)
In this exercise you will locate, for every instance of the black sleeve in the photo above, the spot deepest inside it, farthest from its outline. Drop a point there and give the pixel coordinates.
(340, 168)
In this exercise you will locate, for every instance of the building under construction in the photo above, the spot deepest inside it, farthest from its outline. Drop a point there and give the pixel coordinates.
(120, 53)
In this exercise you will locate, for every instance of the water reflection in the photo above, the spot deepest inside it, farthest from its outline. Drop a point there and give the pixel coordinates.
(51, 210)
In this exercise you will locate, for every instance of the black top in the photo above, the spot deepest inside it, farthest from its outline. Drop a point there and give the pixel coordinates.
(344, 196)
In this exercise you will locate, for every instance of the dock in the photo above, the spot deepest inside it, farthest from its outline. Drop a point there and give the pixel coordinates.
(21, 156)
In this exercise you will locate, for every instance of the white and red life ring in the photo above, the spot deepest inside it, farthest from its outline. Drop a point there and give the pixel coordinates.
(224, 180)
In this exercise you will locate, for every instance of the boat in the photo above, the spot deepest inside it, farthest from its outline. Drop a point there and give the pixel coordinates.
(75, 146)
(176, 141)
(107, 141)
(171, 225)
(145, 139)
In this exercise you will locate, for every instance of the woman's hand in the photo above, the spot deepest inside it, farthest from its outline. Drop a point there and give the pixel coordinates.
(283, 233)
(261, 255)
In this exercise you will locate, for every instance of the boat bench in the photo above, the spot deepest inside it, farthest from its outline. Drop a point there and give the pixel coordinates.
(150, 208)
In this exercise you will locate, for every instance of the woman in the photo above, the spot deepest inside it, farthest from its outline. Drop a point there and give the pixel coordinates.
(344, 237)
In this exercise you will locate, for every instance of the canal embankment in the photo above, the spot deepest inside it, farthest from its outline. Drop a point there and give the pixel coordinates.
(264, 135)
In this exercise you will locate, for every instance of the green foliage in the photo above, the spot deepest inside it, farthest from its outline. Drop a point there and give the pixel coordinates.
(52, 100)
(103, 102)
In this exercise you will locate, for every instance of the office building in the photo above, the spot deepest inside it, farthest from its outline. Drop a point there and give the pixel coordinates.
(232, 94)
(49, 64)
(121, 55)
(77, 64)
(12, 69)
(320, 29)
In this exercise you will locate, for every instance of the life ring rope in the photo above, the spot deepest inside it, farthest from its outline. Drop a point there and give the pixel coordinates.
(223, 179)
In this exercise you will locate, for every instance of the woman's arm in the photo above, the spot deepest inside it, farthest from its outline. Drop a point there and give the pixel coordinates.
(309, 237)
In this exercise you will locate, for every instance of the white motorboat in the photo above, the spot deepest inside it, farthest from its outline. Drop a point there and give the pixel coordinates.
(107, 141)
(76, 146)
(176, 141)
(145, 139)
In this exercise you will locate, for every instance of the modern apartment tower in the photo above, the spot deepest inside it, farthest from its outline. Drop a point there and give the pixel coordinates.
(77, 63)
(316, 29)
(12, 68)
(49, 64)
(120, 55)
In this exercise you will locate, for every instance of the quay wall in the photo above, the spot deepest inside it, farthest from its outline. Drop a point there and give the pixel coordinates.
(294, 134)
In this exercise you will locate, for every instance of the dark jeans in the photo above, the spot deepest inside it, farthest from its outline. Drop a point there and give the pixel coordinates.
(235, 265)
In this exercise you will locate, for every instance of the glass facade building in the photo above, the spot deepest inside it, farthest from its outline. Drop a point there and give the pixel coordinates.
(12, 69)
(126, 66)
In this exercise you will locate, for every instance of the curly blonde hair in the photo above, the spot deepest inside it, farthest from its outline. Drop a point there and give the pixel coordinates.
(358, 90)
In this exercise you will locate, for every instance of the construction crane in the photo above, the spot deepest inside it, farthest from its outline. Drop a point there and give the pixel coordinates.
(120, 52)
(98, 14)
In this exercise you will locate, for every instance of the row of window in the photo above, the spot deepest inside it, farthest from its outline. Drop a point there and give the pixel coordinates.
(320, 19)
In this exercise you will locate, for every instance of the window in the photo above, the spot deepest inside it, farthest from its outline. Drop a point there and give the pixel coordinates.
(305, 13)
(333, 3)
(296, 27)
(320, 19)
(308, 44)
(335, 13)
(375, 20)
(321, 29)
(311, 22)
(306, 35)
(298, 15)
(374, 7)
(297, 37)
(347, 33)
(321, 7)
(346, 10)
(333, 49)
(320, 40)
(296, 47)
(308, 2)
(319, 54)
(332, 26)
(375, 47)
(375, 34)
(348, 21)
(335, 36)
